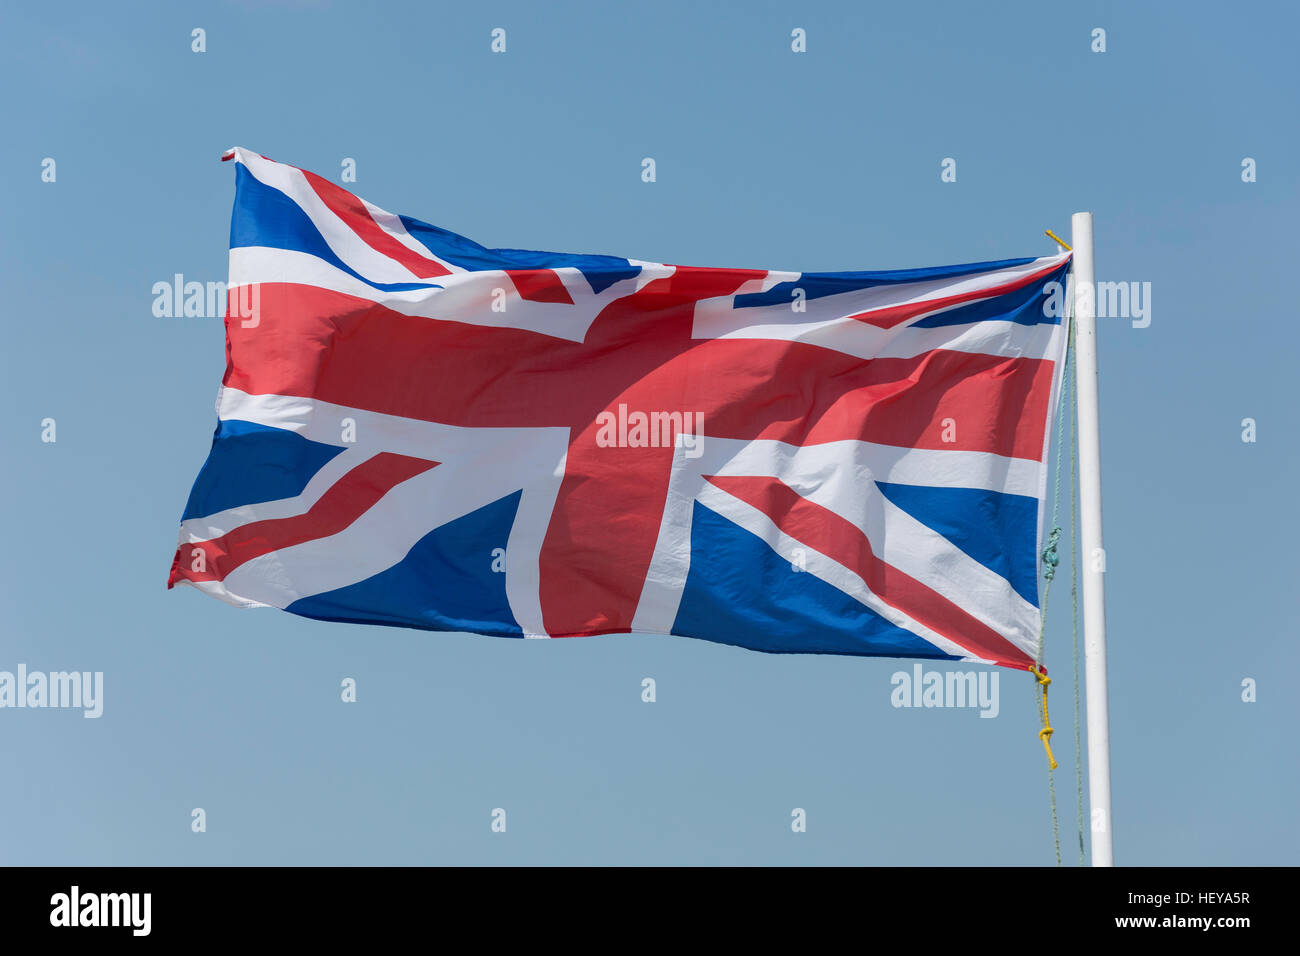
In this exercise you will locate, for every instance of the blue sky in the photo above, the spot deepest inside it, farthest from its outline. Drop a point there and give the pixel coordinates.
(824, 160)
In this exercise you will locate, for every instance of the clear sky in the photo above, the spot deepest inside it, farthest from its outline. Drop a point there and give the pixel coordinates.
(766, 158)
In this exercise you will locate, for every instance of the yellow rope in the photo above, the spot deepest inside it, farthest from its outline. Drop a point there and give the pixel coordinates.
(1045, 735)
(1059, 241)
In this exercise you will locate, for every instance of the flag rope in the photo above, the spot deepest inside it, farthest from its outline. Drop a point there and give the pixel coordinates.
(1045, 735)
(1051, 559)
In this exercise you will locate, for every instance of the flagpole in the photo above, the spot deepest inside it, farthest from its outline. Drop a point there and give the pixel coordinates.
(1093, 554)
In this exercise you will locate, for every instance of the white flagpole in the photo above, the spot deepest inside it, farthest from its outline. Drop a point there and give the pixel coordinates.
(1093, 554)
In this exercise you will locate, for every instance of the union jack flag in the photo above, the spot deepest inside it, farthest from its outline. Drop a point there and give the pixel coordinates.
(419, 431)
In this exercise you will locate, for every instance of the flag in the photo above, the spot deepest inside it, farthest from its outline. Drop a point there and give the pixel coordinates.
(416, 430)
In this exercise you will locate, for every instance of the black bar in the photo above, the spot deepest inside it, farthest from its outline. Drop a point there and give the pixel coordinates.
(661, 906)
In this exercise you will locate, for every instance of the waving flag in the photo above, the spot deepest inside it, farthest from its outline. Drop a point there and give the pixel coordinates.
(416, 430)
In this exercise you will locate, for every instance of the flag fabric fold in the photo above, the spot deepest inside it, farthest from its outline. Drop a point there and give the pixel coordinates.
(416, 430)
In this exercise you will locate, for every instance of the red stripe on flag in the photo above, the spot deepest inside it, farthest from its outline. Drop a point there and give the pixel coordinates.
(610, 505)
(701, 282)
(942, 399)
(344, 502)
(894, 315)
(840, 540)
(321, 344)
(539, 285)
(357, 217)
